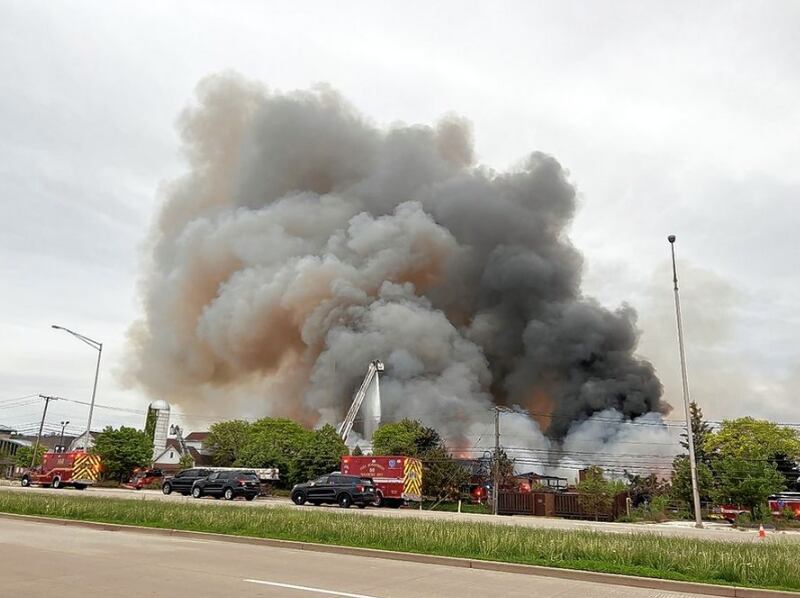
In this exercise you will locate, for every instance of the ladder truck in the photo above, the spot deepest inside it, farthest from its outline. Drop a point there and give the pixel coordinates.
(375, 367)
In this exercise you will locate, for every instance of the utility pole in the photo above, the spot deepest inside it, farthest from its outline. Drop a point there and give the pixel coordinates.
(41, 426)
(685, 380)
(496, 486)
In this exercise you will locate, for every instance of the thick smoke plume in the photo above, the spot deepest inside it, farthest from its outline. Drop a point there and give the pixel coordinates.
(305, 241)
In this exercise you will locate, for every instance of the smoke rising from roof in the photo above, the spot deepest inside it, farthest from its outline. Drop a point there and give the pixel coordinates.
(305, 241)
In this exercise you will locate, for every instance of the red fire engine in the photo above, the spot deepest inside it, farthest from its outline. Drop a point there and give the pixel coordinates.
(398, 478)
(76, 468)
(777, 503)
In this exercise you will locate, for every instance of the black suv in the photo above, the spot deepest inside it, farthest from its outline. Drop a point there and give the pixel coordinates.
(228, 485)
(344, 490)
(184, 480)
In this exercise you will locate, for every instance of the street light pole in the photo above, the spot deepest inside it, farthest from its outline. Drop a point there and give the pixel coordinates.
(98, 346)
(61, 442)
(685, 380)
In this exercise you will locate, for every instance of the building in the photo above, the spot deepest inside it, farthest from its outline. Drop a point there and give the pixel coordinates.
(77, 442)
(9, 445)
(168, 460)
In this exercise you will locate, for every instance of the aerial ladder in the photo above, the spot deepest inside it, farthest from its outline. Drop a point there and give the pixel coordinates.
(346, 427)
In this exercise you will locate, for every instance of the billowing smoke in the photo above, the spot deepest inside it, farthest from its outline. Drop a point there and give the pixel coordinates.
(305, 241)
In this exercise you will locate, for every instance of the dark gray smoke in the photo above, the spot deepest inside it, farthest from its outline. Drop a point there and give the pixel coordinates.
(306, 241)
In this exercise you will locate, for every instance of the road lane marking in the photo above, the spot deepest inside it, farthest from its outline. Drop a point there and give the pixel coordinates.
(307, 589)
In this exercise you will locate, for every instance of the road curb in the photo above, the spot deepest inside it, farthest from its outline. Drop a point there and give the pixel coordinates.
(520, 569)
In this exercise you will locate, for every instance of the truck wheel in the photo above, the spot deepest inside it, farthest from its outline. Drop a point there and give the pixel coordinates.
(250, 497)
(166, 488)
(197, 492)
(379, 501)
(228, 494)
(345, 501)
(25, 481)
(299, 498)
(80, 486)
(56, 482)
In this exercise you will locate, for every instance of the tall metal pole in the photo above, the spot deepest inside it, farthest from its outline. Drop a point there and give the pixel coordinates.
(41, 426)
(496, 486)
(91, 406)
(61, 442)
(98, 346)
(685, 379)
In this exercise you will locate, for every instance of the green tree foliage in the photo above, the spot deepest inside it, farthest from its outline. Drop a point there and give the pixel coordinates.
(274, 443)
(748, 438)
(186, 461)
(226, 440)
(681, 486)
(22, 458)
(443, 477)
(747, 482)
(319, 454)
(751, 439)
(644, 489)
(122, 451)
(504, 466)
(596, 493)
(407, 437)
(701, 430)
(357, 452)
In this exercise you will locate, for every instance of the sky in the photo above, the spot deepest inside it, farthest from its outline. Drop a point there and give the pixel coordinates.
(677, 117)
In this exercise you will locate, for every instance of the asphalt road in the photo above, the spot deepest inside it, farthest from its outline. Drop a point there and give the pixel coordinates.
(713, 530)
(40, 560)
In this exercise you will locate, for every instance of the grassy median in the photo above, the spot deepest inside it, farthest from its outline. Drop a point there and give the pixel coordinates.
(766, 565)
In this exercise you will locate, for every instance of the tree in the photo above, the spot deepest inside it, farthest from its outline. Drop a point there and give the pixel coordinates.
(747, 482)
(701, 431)
(319, 454)
(443, 477)
(681, 484)
(186, 461)
(748, 438)
(504, 466)
(643, 489)
(122, 450)
(407, 437)
(272, 442)
(596, 493)
(22, 458)
(357, 452)
(758, 440)
(226, 440)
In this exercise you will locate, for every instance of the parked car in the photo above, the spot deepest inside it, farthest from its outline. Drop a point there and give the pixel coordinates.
(336, 488)
(228, 485)
(184, 480)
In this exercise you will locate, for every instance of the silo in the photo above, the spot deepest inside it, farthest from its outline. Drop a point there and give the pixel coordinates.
(157, 425)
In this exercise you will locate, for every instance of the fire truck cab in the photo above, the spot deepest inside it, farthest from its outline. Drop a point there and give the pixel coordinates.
(75, 468)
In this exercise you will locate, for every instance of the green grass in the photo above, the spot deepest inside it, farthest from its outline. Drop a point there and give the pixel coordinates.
(768, 565)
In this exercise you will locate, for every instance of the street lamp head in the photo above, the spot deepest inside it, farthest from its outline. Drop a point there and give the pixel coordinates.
(56, 327)
(671, 238)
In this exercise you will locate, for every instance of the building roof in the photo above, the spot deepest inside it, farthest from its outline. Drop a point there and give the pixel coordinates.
(197, 436)
(49, 441)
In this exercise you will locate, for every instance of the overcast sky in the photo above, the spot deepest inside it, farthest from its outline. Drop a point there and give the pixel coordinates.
(672, 117)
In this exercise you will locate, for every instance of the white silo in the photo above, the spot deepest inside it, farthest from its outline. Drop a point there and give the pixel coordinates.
(157, 425)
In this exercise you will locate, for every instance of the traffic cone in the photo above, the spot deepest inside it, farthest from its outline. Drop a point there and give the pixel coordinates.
(761, 532)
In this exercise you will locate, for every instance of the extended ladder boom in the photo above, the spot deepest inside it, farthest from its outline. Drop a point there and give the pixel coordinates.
(347, 425)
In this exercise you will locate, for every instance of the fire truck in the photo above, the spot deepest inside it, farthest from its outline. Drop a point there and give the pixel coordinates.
(777, 504)
(397, 478)
(75, 468)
